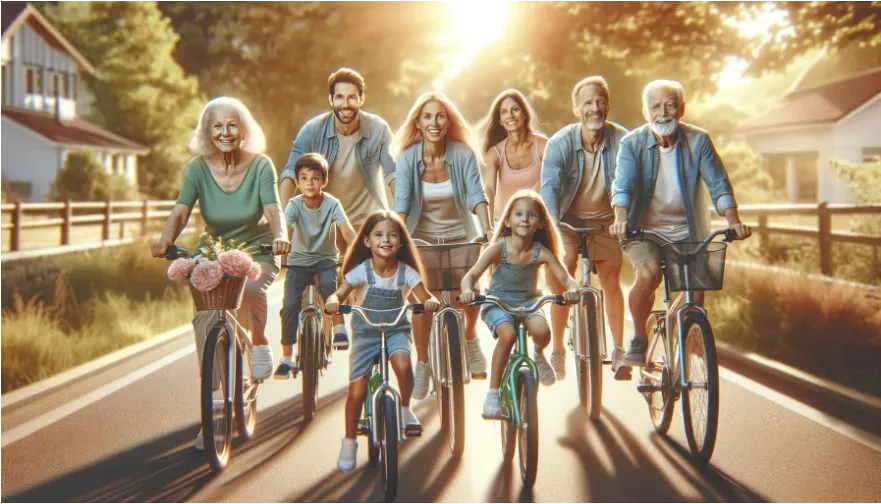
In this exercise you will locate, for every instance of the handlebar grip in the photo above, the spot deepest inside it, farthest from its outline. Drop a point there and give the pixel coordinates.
(479, 298)
(730, 235)
(266, 248)
(559, 299)
(418, 308)
(345, 309)
(171, 253)
(634, 234)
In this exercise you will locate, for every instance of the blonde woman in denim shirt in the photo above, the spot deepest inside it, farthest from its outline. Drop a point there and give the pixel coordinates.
(438, 190)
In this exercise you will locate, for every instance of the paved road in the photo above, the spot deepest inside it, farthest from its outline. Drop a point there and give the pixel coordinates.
(118, 441)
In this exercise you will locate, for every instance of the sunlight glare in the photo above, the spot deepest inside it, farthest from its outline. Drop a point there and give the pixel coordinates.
(472, 26)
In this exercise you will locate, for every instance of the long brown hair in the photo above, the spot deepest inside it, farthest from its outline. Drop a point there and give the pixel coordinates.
(548, 235)
(492, 132)
(408, 134)
(359, 252)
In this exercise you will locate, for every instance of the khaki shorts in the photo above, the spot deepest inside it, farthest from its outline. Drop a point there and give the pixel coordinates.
(640, 251)
(601, 247)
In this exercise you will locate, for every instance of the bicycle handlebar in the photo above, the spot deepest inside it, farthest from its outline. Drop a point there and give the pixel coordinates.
(526, 310)
(584, 231)
(476, 240)
(176, 251)
(346, 309)
(658, 238)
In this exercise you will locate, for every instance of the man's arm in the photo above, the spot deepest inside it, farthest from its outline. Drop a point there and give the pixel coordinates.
(385, 158)
(551, 179)
(626, 171)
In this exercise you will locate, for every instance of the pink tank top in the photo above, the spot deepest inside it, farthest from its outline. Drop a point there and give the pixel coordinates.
(511, 181)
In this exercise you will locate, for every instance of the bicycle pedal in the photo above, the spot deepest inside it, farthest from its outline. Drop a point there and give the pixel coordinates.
(414, 431)
(478, 376)
(624, 373)
(647, 388)
(486, 417)
(362, 429)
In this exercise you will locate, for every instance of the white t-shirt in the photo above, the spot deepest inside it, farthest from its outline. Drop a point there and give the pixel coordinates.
(666, 211)
(440, 217)
(357, 278)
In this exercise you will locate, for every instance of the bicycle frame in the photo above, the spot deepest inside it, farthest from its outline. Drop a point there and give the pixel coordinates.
(580, 345)
(437, 344)
(314, 308)
(510, 400)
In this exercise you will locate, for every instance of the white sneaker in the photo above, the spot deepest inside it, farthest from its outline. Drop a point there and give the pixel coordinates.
(558, 362)
(348, 455)
(545, 371)
(261, 362)
(421, 378)
(492, 405)
(199, 444)
(475, 358)
(411, 423)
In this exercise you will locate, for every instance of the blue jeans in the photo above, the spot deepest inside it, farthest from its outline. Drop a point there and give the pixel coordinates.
(296, 281)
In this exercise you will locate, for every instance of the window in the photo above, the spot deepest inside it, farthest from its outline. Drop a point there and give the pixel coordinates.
(33, 80)
(7, 89)
(871, 154)
(65, 88)
(806, 176)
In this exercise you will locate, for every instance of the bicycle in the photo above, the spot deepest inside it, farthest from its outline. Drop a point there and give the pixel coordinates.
(445, 265)
(225, 390)
(688, 267)
(518, 391)
(314, 348)
(589, 330)
(383, 421)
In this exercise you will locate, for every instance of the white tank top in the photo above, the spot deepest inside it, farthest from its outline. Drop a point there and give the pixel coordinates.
(440, 218)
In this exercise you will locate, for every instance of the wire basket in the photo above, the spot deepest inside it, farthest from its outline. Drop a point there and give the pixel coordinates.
(446, 265)
(706, 268)
(226, 296)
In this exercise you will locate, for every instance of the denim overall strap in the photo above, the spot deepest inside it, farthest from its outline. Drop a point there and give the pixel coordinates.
(402, 280)
(370, 278)
(504, 249)
(535, 254)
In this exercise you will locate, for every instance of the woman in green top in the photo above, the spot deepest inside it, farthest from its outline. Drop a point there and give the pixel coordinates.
(235, 185)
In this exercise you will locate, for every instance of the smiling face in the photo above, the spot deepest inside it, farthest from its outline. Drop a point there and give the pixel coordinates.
(433, 121)
(512, 117)
(310, 182)
(226, 129)
(384, 240)
(663, 109)
(591, 107)
(346, 102)
(524, 218)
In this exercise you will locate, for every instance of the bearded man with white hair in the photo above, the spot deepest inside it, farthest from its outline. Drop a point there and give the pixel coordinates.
(657, 187)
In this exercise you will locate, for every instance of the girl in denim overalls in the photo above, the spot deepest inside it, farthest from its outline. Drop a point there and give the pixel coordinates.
(525, 240)
(384, 266)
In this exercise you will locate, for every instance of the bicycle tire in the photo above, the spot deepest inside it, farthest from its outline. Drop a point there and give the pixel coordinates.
(660, 402)
(309, 367)
(509, 436)
(700, 403)
(453, 393)
(388, 450)
(528, 428)
(245, 410)
(594, 360)
(216, 433)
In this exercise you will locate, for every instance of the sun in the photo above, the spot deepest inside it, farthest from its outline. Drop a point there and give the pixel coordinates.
(471, 26)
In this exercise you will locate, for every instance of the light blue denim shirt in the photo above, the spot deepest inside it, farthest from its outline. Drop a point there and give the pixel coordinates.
(563, 165)
(318, 135)
(464, 174)
(637, 172)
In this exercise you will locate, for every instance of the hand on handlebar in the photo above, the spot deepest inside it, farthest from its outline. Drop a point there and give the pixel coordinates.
(281, 246)
(332, 305)
(619, 229)
(159, 248)
(466, 297)
(432, 304)
(742, 230)
(571, 296)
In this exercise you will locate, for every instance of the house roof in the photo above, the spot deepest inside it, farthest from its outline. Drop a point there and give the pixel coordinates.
(824, 104)
(73, 132)
(15, 14)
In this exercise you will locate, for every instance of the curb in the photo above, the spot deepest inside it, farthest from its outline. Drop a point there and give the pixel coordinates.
(841, 395)
(86, 369)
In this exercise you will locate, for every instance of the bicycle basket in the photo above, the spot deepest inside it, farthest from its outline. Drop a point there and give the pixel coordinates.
(446, 265)
(226, 296)
(706, 268)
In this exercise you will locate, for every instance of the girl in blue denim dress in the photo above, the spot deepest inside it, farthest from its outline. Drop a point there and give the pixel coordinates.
(383, 267)
(525, 240)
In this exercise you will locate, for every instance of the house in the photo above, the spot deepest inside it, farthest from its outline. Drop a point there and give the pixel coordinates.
(832, 111)
(40, 120)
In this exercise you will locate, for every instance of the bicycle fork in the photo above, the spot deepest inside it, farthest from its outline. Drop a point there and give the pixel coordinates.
(380, 392)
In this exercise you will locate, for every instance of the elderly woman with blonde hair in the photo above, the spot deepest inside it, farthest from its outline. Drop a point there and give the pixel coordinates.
(235, 185)
(438, 193)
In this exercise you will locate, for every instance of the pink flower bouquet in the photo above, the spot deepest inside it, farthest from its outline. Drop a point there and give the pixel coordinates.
(215, 261)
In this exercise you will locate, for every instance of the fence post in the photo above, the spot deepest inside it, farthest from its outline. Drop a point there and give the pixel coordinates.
(145, 217)
(15, 243)
(108, 212)
(66, 214)
(764, 242)
(824, 226)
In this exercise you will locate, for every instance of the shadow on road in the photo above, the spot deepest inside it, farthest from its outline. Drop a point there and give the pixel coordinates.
(168, 468)
(508, 479)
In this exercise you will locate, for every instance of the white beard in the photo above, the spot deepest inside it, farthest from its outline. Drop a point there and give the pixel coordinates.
(594, 124)
(665, 129)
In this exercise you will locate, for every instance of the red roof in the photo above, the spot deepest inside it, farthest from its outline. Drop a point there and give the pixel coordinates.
(825, 104)
(75, 131)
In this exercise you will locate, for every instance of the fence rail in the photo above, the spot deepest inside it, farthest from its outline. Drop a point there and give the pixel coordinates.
(106, 213)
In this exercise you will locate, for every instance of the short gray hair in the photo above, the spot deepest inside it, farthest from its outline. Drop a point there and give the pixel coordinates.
(255, 139)
(662, 84)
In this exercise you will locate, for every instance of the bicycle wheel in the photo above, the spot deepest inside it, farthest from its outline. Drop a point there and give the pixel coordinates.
(700, 400)
(453, 391)
(217, 414)
(509, 436)
(659, 367)
(309, 366)
(528, 428)
(388, 449)
(246, 395)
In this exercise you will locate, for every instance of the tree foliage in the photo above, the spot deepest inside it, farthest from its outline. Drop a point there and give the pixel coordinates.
(83, 178)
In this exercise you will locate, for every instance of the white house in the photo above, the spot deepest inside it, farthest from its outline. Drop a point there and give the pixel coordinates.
(40, 124)
(827, 114)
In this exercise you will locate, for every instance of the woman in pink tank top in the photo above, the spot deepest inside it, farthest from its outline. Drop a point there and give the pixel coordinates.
(513, 149)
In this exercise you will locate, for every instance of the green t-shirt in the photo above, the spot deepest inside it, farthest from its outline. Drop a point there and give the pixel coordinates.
(236, 215)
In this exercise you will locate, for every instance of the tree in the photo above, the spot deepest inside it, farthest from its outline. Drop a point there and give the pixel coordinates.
(140, 90)
(83, 178)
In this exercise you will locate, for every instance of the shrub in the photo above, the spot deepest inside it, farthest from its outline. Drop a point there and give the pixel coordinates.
(83, 178)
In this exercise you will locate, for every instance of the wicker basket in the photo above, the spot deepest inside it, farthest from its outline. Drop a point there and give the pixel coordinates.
(226, 296)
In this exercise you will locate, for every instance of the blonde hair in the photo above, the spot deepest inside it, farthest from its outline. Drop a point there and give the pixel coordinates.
(408, 134)
(254, 138)
(548, 235)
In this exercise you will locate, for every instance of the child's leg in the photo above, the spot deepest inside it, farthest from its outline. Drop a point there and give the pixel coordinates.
(400, 362)
(294, 286)
(540, 332)
(354, 404)
(506, 338)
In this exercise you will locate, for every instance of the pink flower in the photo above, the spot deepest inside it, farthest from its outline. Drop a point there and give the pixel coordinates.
(181, 268)
(235, 263)
(255, 272)
(207, 276)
